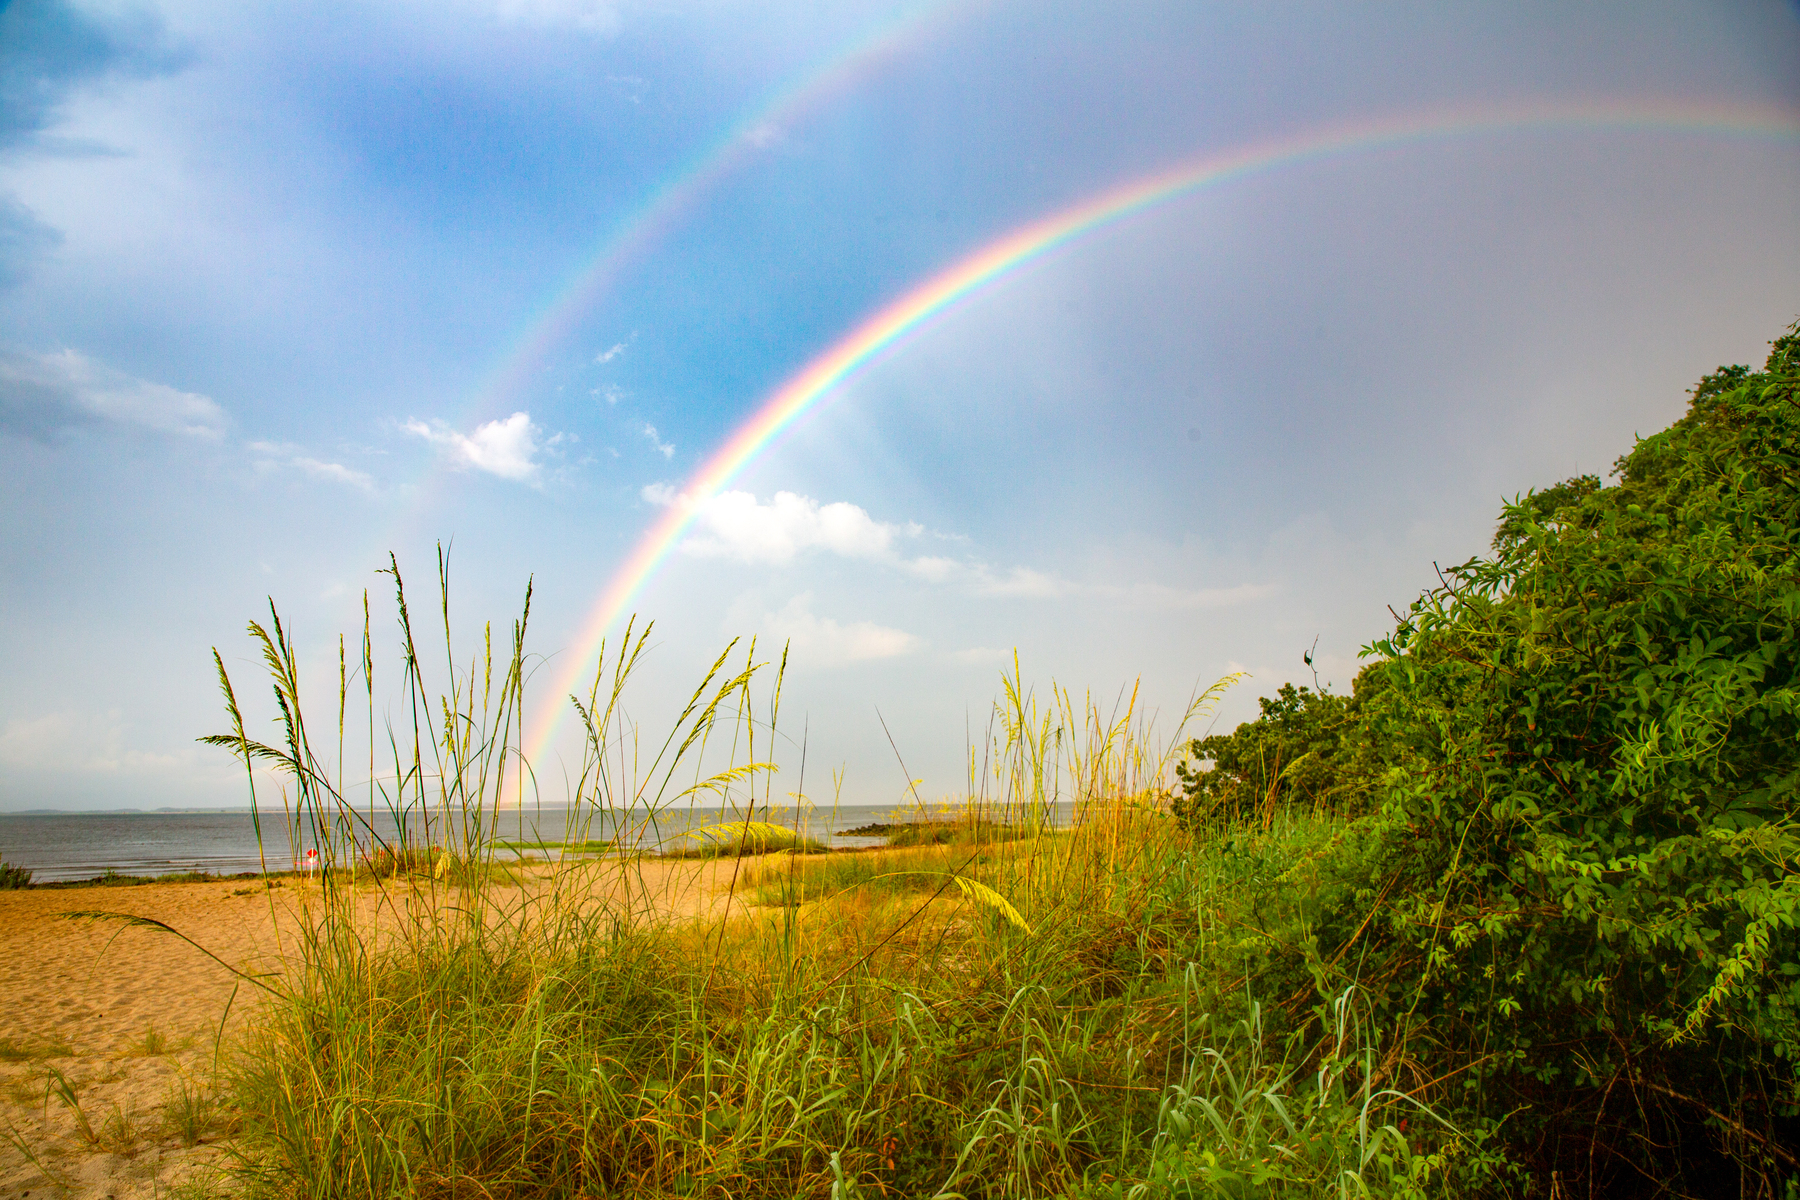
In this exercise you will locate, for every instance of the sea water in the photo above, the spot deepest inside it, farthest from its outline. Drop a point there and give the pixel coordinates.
(67, 846)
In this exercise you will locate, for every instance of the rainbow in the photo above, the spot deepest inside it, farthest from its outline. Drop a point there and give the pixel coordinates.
(640, 230)
(880, 333)
(663, 210)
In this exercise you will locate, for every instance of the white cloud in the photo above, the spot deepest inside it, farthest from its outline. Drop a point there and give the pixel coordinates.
(335, 472)
(83, 742)
(272, 456)
(935, 570)
(979, 656)
(736, 525)
(1020, 581)
(40, 392)
(606, 356)
(822, 642)
(508, 448)
(667, 449)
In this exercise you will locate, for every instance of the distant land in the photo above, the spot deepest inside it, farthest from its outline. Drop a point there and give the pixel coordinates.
(105, 812)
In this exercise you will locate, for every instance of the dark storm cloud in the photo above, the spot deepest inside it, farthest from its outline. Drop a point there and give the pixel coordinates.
(52, 48)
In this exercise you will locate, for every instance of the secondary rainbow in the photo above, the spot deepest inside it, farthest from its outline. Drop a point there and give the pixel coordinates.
(1004, 257)
(663, 210)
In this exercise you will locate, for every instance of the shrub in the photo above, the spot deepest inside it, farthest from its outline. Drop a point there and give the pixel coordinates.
(1305, 747)
(1590, 850)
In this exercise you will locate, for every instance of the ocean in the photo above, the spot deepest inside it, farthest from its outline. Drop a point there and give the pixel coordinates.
(58, 847)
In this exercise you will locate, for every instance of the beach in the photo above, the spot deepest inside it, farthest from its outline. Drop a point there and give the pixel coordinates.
(130, 1016)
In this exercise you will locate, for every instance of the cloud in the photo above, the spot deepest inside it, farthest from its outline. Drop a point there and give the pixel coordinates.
(42, 393)
(82, 742)
(508, 448)
(822, 642)
(736, 525)
(22, 239)
(54, 47)
(606, 356)
(275, 455)
(935, 570)
(979, 656)
(667, 449)
(1019, 581)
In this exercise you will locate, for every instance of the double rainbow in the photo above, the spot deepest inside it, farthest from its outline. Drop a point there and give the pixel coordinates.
(665, 209)
(962, 281)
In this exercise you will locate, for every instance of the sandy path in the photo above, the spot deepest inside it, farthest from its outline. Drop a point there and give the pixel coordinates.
(90, 1002)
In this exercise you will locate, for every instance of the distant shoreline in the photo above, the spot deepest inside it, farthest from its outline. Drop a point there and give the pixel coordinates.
(114, 812)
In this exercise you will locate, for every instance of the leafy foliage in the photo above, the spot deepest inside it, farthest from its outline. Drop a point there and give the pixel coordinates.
(1590, 837)
(1307, 747)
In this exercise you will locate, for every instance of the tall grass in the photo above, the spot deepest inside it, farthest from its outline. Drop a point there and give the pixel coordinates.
(1024, 1011)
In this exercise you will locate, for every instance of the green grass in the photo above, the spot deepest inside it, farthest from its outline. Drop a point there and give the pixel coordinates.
(738, 839)
(1059, 1014)
(192, 1112)
(15, 1050)
(968, 832)
(587, 846)
(115, 879)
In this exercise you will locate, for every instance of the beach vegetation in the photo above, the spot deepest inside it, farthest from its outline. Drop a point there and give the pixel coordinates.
(152, 1045)
(1517, 916)
(58, 1087)
(585, 846)
(14, 1050)
(13, 877)
(192, 1111)
(1575, 762)
(120, 1130)
(739, 839)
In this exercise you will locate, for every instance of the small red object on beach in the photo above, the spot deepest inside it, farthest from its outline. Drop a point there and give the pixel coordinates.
(311, 861)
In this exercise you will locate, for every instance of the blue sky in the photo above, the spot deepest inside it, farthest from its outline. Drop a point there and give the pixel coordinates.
(261, 266)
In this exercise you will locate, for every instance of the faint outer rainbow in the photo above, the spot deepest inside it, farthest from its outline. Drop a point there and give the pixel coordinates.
(662, 210)
(1031, 242)
(552, 322)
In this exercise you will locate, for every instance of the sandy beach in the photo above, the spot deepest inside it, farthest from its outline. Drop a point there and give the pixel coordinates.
(129, 1017)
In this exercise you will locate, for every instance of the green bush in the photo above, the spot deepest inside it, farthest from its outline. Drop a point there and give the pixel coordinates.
(1306, 747)
(13, 877)
(1588, 839)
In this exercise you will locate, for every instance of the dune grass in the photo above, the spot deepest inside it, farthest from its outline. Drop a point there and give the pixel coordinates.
(587, 846)
(1021, 1011)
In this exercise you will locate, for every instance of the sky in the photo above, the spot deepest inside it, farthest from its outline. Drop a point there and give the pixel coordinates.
(286, 288)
